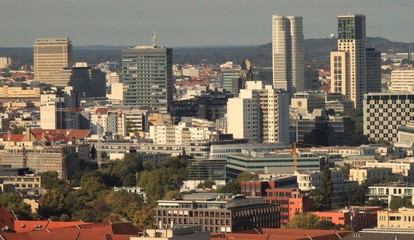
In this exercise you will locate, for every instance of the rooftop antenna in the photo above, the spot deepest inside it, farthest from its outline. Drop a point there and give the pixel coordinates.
(154, 39)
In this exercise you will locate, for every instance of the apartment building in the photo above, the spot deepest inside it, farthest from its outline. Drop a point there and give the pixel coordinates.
(218, 213)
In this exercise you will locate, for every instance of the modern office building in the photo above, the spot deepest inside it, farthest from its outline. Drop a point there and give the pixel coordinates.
(5, 62)
(51, 55)
(384, 113)
(278, 163)
(348, 64)
(373, 64)
(218, 213)
(259, 114)
(402, 81)
(232, 82)
(288, 54)
(147, 77)
(86, 81)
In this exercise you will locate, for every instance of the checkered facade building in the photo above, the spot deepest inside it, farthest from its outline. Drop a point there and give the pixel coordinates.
(385, 112)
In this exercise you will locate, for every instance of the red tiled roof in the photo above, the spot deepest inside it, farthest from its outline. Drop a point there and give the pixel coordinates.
(6, 219)
(92, 231)
(27, 226)
(78, 134)
(102, 110)
(63, 135)
(13, 137)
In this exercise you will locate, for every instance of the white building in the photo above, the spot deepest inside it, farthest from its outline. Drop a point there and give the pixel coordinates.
(310, 180)
(387, 192)
(288, 53)
(111, 78)
(191, 72)
(402, 81)
(59, 109)
(259, 114)
(406, 133)
(115, 93)
(5, 62)
(384, 113)
(401, 167)
(183, 133)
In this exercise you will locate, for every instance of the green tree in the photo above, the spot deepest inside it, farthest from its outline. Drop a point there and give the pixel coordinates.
(13, 202)
(325, 225)
(323, 196)
(93, 152)
(234, 186)
(50, 179)
(304, 221)
(358, 137)
(398, 202)
(18, 130)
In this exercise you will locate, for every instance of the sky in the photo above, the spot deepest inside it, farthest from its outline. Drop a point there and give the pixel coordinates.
(190, 22)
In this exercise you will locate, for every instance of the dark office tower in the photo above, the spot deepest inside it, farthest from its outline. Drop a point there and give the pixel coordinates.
(348, 64)
(147, 77)
(373, 70)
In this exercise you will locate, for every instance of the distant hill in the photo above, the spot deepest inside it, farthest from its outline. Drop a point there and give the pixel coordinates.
(316, 50)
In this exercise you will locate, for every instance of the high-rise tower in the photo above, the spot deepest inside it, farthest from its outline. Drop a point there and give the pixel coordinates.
(288, 54)
(147, 77)
(348, 64)
(51, 55)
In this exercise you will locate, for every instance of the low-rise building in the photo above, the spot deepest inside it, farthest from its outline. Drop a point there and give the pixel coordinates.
(310, 180)
(401, 167)
(404, 218)
(388, 191)
(249, 161)
(356, 218)
(219, 213)
(362, 174)
(26, 181)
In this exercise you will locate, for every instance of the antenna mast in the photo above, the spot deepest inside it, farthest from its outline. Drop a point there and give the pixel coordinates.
(154, 39)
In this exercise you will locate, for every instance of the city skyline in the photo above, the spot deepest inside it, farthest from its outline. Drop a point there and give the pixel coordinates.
(189, 23)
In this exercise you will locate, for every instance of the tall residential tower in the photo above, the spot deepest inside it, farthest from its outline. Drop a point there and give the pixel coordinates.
(147, 77)
(51, 55)
(348, 64)
(288, 54)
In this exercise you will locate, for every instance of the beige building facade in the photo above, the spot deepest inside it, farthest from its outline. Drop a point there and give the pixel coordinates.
(362, 174)
(51, 55)
(348, 64)
(404, 218)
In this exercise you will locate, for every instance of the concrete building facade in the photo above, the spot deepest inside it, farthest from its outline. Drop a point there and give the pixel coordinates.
(259, 114)
(51, 55)
(348, 64)
(218, 213)
(288, 53)
(147, 77)
(402, 81)
(384, 113)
